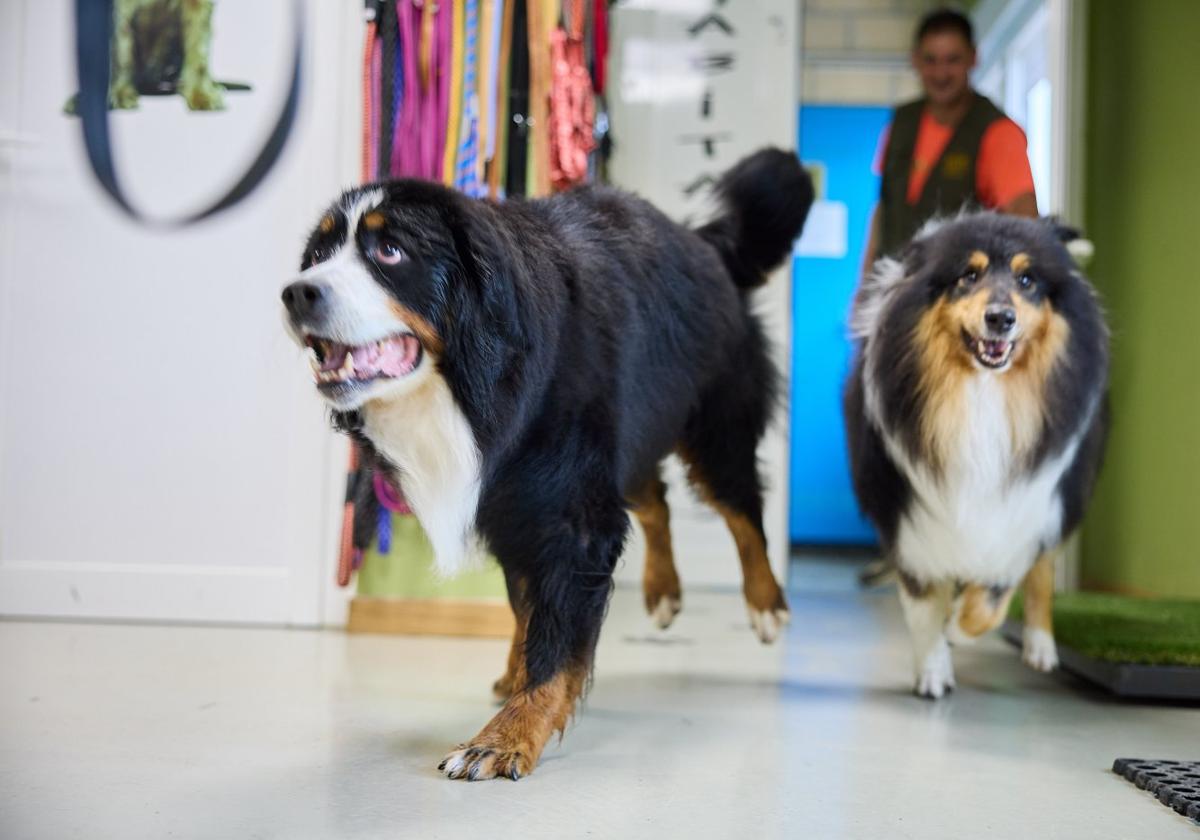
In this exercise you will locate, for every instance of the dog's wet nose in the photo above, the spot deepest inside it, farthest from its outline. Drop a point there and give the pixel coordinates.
(1000, 319)
(303, 299)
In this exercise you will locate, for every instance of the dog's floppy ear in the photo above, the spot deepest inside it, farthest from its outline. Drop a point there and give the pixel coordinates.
(873, 295)
(486, 270)
(913, 256)
(1079, 247)
(486, 341)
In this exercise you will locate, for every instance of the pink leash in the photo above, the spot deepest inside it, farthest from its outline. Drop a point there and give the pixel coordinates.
(418, 146)
(389, 496)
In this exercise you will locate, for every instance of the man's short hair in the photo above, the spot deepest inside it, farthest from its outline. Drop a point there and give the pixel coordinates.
(945, 20)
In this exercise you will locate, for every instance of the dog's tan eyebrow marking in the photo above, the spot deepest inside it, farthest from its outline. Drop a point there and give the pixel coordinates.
(326, 223)
(978, 262)
(374, 220)
(1020, 263)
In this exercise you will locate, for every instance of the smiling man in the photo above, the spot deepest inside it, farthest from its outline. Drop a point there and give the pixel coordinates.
(949, 149)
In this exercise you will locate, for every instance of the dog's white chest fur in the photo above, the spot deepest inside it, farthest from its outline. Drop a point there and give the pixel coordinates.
(982, 518)
(425, 434)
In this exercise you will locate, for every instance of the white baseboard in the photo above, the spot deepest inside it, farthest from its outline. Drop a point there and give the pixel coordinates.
(146, 592)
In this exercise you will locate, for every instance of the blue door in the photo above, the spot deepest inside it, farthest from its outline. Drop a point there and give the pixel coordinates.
(839, 145)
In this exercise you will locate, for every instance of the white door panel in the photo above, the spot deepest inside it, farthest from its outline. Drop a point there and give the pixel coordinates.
(162, 455)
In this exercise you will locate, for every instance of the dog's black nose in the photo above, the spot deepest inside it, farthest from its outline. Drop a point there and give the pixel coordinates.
(1000, 319)
(303, 299)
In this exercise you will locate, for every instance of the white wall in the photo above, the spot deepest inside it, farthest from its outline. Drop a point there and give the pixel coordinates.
(858, 52)
(162, 453)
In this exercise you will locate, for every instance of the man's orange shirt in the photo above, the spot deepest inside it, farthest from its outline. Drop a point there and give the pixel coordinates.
(1001, 174)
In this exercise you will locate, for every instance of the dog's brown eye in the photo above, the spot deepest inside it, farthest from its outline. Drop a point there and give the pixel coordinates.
(969, 278)
(1025, 281)
(388, 253)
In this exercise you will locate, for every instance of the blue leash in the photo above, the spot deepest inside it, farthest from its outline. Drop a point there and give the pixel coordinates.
(93, 39)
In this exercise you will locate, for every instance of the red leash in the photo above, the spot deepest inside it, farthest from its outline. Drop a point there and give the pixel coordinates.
(572, 104)
(346, 558)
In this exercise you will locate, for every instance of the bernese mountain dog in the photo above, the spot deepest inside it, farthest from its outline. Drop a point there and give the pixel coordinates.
(975, 416)
(520, 369)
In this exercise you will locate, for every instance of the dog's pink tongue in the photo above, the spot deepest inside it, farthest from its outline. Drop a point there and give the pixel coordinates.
(394, 357)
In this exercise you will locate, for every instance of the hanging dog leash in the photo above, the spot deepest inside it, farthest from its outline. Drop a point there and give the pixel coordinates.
(572, 102)
(93, 39)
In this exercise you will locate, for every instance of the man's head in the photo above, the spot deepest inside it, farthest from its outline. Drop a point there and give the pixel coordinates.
(943, 56)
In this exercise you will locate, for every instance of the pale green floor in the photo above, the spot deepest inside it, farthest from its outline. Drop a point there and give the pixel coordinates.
(111, 731)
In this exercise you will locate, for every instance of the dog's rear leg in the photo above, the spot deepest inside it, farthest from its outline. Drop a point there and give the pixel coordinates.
(926, 607)
(1038, 649)
(739, 504)
(567, 579)
(720, 447)
(660, 580)
(727, 479)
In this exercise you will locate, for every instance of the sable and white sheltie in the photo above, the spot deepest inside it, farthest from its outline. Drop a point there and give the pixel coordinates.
(520, 369)
(976, 415)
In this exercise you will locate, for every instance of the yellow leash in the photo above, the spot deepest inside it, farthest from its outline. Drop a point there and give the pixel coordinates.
(450, 153)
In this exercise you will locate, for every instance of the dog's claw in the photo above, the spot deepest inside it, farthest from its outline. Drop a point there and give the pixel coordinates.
(483, 762)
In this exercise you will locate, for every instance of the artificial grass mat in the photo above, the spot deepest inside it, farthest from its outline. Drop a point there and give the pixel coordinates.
(1116, 628)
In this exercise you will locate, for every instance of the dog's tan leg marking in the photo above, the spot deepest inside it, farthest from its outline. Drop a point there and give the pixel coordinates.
(764, 598)
(660, 580)
(503, 688)
(980, 609)
(1038, 648)
(513, 740)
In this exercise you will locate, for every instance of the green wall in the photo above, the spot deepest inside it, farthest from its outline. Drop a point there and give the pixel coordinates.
(1143, 212)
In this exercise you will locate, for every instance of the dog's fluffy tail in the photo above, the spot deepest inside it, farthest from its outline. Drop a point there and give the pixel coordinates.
(765, 199)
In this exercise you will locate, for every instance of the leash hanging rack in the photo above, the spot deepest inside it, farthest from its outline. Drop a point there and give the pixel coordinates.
(452, 91)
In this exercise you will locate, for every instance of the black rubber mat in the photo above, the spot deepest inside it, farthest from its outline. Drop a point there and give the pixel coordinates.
(1175, 783)
(1146, 682)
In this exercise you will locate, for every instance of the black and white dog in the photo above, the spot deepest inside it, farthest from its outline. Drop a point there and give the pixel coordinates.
(976, 417)
(521, 369)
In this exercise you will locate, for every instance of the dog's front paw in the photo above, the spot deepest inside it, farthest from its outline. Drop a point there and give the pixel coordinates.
(935, 678)
(476, 762)
(1038, 650)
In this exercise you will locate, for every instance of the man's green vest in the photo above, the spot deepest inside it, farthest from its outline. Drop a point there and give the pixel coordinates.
(951, 182)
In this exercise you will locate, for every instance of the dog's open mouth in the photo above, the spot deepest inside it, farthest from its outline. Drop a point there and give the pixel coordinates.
(989, 352)
(335, 364)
